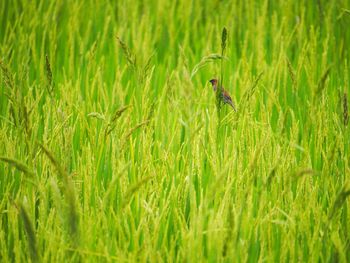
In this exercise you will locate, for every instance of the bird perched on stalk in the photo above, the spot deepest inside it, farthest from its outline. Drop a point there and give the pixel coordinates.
(225, 97)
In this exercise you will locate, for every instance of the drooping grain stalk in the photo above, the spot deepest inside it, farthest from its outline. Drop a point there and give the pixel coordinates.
(10, 92)
(204, 61)
(146, 70)
(339, 200)
(113, 121)
(249, 92)
(134, 188)
(292, 74)
(50, 84)
(139, 125)
(29, 228)
(18, 165)
(345, 109)
(129, 55)
(73, 218)
(230, 227)
(18, 104)
(322, 82)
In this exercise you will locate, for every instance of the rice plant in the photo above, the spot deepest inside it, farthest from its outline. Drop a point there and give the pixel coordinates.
(114, 147)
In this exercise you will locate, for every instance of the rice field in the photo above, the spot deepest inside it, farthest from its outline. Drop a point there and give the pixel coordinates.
(115, 148)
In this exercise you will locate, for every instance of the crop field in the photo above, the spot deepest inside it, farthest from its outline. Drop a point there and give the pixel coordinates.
(115, 147)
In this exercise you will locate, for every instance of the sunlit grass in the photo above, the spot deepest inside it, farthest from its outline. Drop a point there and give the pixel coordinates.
(111, 148)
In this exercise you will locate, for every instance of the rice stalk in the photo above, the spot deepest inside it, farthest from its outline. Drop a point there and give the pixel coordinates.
(28, 226)
(50, 84)
(322, 81)
(112, 123)
(134, 188)
(18, 165)
(130, 57)
(257, 153)
(73, 218)
(219, 90)
(339, 201)
(26, 121)
(250, 91)
(146, 69)
(139, 125)
(343, 12)
(223, 40)
(151, 109)
(112, 185)
(8, 80)
(18, 107)
(97, 115)
(7, 76)
(345, 109)
(291, 73)
(229, 235)
(204, 61)
(272, 175)
(302, 172)
(90, 254)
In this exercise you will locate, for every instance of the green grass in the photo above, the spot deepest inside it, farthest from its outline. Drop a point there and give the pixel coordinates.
(111, 148)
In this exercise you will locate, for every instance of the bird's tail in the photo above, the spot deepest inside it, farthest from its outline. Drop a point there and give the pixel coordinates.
(232, 105)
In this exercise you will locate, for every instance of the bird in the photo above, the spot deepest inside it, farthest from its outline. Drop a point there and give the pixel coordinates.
(226, 98)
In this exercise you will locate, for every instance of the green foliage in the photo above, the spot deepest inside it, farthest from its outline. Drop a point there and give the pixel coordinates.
(140, 162)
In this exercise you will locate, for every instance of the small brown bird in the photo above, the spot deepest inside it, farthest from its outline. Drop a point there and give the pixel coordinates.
(226, 98)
